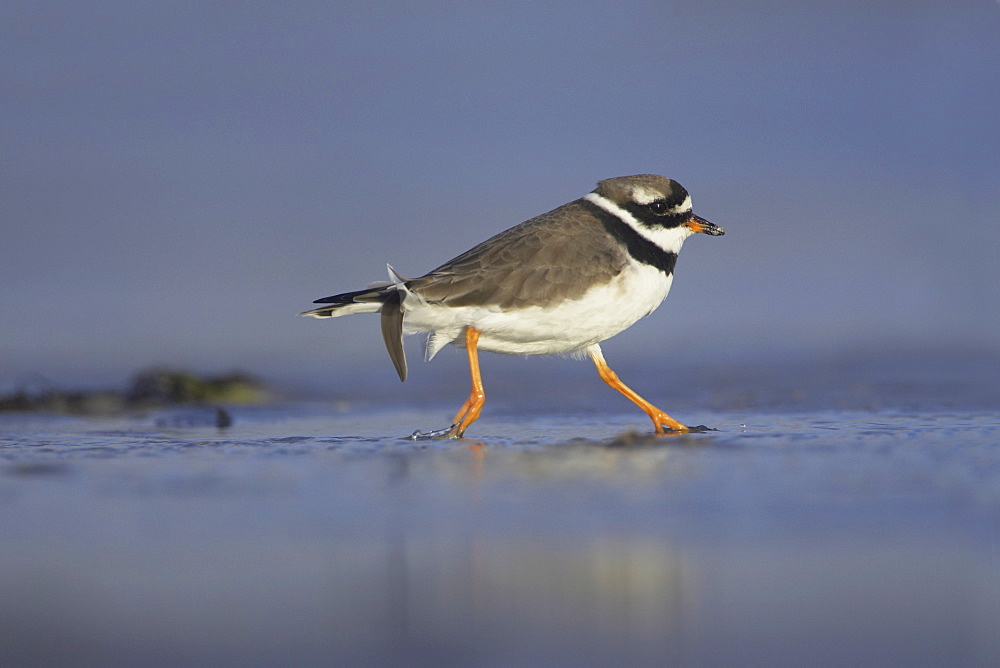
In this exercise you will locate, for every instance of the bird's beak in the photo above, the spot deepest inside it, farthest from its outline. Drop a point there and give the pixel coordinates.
(699, 224)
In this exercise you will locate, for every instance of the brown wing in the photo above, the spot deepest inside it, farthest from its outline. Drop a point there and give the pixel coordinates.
(556, 256)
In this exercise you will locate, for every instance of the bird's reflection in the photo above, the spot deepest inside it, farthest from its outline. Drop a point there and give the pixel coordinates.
(599, 594)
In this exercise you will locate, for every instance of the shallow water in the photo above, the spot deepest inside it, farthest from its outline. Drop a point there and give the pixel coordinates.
(304, 534)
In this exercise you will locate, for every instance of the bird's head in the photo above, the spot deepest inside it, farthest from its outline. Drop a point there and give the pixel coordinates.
(657, 203)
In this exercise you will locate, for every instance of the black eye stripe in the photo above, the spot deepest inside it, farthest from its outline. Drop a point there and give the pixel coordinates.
(647, 215)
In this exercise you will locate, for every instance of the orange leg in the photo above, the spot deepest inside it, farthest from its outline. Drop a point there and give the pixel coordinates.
(469, 412)
(659, 418)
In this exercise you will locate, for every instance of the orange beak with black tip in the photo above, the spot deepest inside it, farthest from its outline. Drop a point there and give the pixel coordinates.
(702, 226)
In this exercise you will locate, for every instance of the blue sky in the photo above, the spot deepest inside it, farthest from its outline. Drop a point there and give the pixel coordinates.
(177, 180)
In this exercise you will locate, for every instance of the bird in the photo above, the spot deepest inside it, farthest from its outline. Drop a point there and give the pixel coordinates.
(559, 283)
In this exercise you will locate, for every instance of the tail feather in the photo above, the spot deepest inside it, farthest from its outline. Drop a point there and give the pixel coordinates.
(375, 294)
(383, 298)
(392, 331)
(359, 301)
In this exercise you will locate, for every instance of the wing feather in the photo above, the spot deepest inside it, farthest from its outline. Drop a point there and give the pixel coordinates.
(553, 257)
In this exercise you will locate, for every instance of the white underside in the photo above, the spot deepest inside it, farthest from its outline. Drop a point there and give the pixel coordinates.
(569, 327)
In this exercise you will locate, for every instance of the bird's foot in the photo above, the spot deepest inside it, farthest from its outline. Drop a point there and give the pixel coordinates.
(670, 430)
(435, 434)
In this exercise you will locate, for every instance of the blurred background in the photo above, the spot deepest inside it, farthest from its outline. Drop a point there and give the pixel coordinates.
(178, 180)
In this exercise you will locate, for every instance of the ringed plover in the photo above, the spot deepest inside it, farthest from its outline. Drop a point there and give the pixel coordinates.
(561, 282)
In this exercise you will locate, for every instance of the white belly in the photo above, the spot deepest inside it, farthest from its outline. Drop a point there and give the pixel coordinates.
(598, 315)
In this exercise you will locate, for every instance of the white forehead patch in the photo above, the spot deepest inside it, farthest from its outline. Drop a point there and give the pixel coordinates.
(641, 195)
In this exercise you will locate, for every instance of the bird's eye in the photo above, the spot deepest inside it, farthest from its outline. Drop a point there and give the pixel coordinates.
(659, 207)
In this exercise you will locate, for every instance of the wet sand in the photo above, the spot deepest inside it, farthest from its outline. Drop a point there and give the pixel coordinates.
(305, 536)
